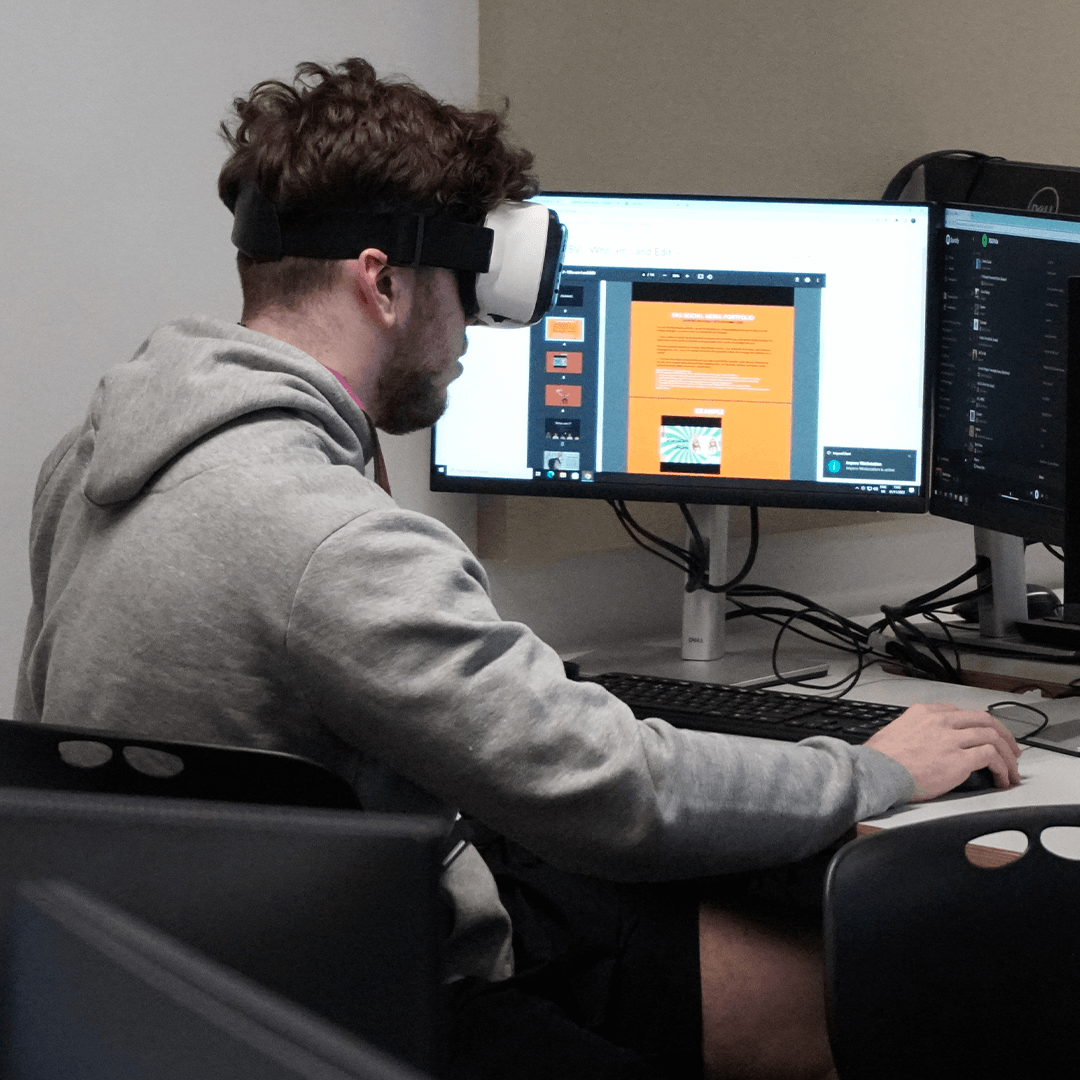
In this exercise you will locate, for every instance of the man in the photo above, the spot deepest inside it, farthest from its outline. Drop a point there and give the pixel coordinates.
(210, 562)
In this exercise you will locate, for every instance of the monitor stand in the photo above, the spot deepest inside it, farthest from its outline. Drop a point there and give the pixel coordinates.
(1062, 630)
(704, 621)
(1006, 603)
(1003, 611)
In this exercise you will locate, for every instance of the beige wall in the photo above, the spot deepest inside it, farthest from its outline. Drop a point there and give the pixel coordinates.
(807, 98)
(818, 98)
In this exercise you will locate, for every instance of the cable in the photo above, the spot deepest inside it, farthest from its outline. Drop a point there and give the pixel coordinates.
(1027, 739)
(636, 532)
(914, 648)
(921, 604)
(692, 561)
(826, 628)
(844, 684)
(911, 649)
(1019, 705)
(849, 627)
(832, 630)
(698, 576)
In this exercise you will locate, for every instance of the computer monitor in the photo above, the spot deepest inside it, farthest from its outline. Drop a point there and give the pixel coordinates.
(336, 911)
(709, 350)
(95, 993)
(1000, 394)
(999, 447)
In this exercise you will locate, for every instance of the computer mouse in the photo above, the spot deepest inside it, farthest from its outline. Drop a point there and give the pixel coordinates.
(1041, 602)
(979, 780)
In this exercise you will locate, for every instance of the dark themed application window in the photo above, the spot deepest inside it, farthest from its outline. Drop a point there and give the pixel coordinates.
(1000, 394)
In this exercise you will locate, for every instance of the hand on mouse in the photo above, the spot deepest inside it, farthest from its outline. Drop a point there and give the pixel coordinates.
(941, 745)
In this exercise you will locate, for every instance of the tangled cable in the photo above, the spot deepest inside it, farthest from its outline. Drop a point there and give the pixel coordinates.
(908, 647)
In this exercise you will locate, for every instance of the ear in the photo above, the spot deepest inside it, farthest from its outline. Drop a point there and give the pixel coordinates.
(384, 291)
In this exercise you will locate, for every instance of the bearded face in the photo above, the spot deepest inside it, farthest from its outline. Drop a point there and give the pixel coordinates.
(410, 393)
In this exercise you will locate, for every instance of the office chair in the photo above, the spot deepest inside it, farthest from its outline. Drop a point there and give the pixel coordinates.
(96, 993)
(82, 759)
(936, 967)
(338, 912)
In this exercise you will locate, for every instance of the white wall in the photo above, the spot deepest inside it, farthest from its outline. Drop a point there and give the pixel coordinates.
(109, 218)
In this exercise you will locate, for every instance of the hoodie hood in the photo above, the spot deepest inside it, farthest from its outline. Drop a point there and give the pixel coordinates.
(194, 376)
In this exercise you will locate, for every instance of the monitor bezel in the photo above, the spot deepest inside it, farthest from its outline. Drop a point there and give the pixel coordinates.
(738, 491)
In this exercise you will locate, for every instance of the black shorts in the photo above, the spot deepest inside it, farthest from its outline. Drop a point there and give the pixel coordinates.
(607, 983)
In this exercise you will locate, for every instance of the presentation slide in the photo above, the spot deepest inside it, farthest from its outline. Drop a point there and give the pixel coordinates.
(697, 369)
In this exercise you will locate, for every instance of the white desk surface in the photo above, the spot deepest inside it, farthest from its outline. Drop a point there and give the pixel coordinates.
(1048, 778)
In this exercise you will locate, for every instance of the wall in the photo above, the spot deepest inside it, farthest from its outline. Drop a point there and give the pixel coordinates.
(109, 219)
(109, 224)
(810, 98)
(815, 98)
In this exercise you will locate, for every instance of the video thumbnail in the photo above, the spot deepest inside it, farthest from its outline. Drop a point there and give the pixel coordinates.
(690, 444)
(565, 363)
(557, 427)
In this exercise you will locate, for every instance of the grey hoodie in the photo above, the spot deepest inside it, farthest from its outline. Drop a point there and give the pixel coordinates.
(209, 562)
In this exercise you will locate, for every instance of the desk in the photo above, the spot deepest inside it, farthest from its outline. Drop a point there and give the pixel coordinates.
(1049, 778)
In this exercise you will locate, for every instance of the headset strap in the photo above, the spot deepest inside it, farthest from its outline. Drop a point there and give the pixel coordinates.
(408, 239)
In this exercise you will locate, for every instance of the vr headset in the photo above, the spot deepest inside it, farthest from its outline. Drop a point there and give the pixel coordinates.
(507, 269)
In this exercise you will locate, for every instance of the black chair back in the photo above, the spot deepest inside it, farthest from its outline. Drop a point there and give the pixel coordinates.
(336, 911)
(95, 993)
(57, 758)
(936, 967)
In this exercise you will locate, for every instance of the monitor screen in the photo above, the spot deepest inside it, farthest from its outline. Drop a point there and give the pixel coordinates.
(999, 440)
(709, 350)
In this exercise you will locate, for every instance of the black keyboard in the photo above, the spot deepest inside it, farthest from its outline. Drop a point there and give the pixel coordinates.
(735, 710)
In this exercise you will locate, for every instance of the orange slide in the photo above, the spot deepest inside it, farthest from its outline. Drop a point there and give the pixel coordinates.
(727, 361)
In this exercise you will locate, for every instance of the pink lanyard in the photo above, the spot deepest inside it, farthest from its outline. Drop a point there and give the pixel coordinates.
(381, 476)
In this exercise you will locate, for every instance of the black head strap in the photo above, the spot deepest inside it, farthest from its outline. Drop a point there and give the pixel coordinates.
(409, 239)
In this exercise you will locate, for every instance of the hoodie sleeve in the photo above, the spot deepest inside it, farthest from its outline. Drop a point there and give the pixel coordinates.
(394, 641)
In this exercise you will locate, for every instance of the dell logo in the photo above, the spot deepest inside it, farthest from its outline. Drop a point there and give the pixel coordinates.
(1045, 201)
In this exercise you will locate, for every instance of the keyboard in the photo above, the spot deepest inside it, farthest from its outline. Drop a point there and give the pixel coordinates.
(735, 710)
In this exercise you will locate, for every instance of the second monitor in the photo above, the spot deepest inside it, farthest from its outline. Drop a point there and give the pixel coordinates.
(999, 443)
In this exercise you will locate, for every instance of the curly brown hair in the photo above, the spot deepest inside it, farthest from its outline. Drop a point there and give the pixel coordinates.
(343, 137)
